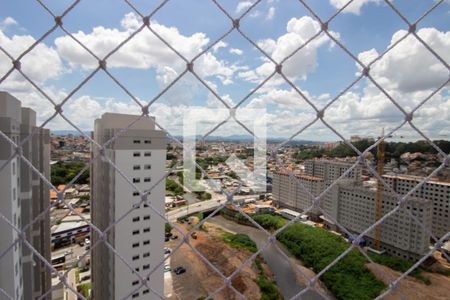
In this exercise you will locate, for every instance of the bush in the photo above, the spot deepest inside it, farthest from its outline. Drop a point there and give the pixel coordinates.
(268, 289)
(167, 227)
(85, 197)
(399, 264)
(317, 248)
(84, 289)
(269, 221)
(239, 241)
(173, 187)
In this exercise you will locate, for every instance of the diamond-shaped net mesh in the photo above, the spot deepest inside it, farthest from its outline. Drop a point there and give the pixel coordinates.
(146, 24)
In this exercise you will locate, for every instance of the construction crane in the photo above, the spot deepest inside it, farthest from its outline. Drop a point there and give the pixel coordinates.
(380, 188)
(379, 196)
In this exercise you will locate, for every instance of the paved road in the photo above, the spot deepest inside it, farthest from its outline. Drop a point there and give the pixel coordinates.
(281, 267)
(173, 215)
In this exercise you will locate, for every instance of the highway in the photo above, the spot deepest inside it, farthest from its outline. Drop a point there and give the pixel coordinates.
(173, 215)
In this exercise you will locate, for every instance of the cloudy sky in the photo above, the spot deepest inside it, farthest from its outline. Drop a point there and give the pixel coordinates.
(233, 67)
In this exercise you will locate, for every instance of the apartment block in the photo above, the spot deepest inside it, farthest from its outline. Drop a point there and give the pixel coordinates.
(331, 170)
(291, 191)
(401, 235)
(318, 175)
(23, 199)
(352, 205)
(140, 154)
(437, 192)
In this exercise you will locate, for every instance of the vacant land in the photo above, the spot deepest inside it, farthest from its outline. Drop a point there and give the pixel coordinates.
(200, 279)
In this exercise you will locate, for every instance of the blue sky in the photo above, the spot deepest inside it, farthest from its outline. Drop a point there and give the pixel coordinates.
(233, 67)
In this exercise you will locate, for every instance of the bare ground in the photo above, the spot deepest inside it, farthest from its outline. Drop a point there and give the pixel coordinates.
(412, 288)
(200, 279)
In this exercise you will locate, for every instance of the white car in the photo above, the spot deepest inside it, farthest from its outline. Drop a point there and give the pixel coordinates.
(167, 268)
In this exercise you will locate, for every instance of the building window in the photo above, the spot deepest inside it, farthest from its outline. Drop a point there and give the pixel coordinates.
(136, 269)
(135, 257)
(136, 282)
(147, 167)
(136, 154)
(14, 168)
(147, 254)
(136, 141)
(148, 153)
(135, 295)
(147, 217)
(136, 180)
(145, 267)
(136, 219)
(135, 193)
(135, 245)
(147, 179)
(147, 229)
(146, 242)
(136, 167)
(135, 232)
(148, 141)
(146, 291)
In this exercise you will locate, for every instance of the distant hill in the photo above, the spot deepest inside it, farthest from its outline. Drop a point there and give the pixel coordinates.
(228, 139)
(67, 132)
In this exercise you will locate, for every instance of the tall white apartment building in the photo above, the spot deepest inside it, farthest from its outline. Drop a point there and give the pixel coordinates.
(24, 196)
(352, 205)
(318, 175)
(437, 192)
(331, 170)
(140, 153)
(288, 192)
(401, 235)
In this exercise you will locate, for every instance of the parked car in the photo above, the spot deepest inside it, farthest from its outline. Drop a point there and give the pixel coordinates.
(166, 239)
(179, 270)
(87, 277)
(84, 269)
(174, 237)
(167, 268)
(167, 250)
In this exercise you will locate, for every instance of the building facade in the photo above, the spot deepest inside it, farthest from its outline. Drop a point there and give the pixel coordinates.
(24, 197)
(289, 191)
(140, 153)
(401, 235)
(352, 205)
(437, 192)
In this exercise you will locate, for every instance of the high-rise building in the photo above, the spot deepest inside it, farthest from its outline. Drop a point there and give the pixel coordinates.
(437, 192)
(139, 152)
(401, 234)
(352, 205)
(24, 198)
(288, 192)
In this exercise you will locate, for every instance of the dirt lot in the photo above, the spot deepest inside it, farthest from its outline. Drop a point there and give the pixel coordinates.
(200, 279)
(411, 288)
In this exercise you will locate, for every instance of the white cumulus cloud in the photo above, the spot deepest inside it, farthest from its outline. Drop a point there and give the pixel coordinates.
(298, 31)
(270, 13)
(144, 50)
(243, 5)
(236, 51)
(409, 66)
(354, 7)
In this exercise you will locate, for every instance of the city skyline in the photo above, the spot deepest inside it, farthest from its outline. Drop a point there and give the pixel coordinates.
(233, 67)
(224, 149)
